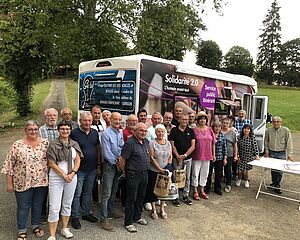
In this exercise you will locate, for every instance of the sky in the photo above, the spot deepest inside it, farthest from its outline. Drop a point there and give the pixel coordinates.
(241, 23)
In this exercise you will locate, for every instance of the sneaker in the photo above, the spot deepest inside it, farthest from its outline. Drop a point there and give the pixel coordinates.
(51, 238)
(142, 221)
(66, 233)
(176, 202)
(106, 225)
(75, 223)
(247, 184)
(187, 200)
(277, 190)
(238, 182)
(227, 188)
(148, 206)
(131, 228)
(90, 218)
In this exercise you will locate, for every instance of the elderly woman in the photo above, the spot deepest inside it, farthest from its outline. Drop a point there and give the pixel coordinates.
(63, 156)
(203, 154)
(160, 157)
(26, 172)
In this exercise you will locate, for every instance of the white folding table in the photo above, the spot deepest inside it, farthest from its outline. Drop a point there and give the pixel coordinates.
(281, 165)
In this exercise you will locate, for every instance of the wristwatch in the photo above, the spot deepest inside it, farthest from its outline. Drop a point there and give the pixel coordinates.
(74, 171)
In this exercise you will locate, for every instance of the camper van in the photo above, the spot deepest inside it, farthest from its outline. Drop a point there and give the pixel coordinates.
(130, 83)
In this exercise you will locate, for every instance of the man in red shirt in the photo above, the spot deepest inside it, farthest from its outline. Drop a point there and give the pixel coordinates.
(130, 126)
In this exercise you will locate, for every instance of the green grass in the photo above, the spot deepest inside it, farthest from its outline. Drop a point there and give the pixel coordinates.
(283, 102)
(41, 91)
(72, 96)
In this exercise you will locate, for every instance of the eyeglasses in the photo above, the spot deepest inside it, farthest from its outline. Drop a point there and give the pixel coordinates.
(68, 114)
(32, 129)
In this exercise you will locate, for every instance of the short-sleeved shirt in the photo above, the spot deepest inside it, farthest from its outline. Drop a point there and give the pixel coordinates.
(182, 139)
(48, 132)
(203, 145)
(27, 165)
(88, 144)
(137, 154)
(127, 134)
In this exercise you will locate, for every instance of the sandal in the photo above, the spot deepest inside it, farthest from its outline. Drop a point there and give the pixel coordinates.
(22, 236)
(38, 232)
(153, 215)
(164, 216)
(196, 196)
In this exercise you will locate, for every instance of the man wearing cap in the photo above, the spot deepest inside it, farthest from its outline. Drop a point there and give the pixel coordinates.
(278, 144)
(182, 139)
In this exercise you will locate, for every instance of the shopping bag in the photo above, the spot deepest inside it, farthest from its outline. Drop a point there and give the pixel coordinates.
(180, 177)
(162, 185)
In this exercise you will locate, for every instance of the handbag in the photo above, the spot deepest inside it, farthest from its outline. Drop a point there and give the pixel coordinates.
(162, 185)
(180, 177)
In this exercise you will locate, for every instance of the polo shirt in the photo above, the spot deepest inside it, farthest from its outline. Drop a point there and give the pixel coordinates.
(182, 139)
(127, 134)
(137, 154)
(88, 144)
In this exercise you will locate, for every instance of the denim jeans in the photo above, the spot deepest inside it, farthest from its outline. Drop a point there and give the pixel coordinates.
(277, 175)
(136, 185)
(188, 164)
(31, 198)
(110, 187)
(85, 182)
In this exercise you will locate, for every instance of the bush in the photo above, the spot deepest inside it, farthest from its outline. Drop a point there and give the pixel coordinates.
(7, 97)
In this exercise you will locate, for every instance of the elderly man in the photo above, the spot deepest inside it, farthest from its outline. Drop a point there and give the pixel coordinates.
(88, 141)
(128, 131)
(135, 162)
(278, 144)
(192, 122)
(156, 119)
(167, 121)
(49, 131)
(112, 143)
(182, 139)
(241, 121)
(66, 114)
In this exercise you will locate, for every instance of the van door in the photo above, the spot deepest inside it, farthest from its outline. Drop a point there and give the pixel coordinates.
(258, 116)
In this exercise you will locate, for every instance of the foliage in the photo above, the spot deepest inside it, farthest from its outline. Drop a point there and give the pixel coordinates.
(24, 47)
(209, 54)
(7, 95)
(289, 64)
(238, 60)
(269, 48)
(166, 29)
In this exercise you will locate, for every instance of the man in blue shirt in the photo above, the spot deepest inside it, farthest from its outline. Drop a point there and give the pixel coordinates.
(88, 141)
(112, 143)
(241, 121)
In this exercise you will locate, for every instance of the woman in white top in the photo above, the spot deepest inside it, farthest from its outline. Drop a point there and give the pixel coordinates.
(63, 156)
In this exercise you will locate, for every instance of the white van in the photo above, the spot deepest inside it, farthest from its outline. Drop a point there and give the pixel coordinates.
(130, 83)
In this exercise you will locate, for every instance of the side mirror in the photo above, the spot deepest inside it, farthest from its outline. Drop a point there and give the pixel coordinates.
(269, 118)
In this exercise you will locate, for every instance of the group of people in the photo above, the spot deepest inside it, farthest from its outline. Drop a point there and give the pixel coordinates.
(53, 169)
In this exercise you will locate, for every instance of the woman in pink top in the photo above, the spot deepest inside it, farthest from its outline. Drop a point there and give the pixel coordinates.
(204, 153)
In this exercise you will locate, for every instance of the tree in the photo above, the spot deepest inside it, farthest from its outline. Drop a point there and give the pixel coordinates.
(289, 66)
(269, 48)
(166, 29)
(24, 48)
(238, 60)
(209, 54)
